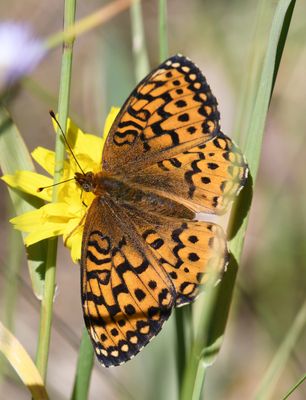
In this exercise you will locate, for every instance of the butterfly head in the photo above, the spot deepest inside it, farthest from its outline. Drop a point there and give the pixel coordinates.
(86, 181)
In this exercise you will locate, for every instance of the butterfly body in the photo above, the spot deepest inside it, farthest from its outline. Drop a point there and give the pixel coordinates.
(104, 184)
(143, 252)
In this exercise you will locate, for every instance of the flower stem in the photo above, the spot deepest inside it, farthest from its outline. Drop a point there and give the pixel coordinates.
(162, 28)
(63, 106)
(84, 368)
(46, 310)
(142, 67)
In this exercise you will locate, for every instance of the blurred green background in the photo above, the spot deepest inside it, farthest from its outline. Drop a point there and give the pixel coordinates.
(271, 284)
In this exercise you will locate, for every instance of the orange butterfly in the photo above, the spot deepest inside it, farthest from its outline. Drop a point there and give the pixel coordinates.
(143, 252)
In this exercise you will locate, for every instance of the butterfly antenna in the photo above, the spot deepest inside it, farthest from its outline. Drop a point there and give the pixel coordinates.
(40, 189)
(65, 139)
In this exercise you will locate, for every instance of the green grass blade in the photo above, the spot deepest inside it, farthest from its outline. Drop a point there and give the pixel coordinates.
(293, 389)
(142, 66)
(11, 272)
(255, 129)
(84, 368)
(271, 377)
(15, 156)
(282, 40)
(253, 69)
(181, 351)
(254, 134)
(163, 30)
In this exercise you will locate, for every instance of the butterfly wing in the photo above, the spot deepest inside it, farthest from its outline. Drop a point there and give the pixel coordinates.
(172, 108)
(167, 137)
(126, 296)
(206, 178)
(190, 252)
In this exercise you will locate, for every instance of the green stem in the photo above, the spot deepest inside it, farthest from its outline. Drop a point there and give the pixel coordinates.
(162, 29)
(63, 107)
(46, 310)
(294, 387)
(180, 343)
(84, 368)
(201, 354)
(280, 359)
(139, 44)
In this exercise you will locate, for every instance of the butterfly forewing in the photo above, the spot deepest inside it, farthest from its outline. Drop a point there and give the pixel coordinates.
(206, 178)
(171, 109)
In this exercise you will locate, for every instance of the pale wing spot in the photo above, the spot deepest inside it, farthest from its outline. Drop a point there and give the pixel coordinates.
(134, 339)
(208, 110)
(145, 330)
(125, 348)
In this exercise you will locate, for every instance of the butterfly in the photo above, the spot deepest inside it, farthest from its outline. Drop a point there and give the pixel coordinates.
(143, 252)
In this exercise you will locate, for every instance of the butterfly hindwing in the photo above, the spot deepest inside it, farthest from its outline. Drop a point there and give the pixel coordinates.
(190, 252)
(126, 297)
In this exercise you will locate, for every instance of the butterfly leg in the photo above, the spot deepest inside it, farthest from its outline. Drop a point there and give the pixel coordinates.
(74, 229)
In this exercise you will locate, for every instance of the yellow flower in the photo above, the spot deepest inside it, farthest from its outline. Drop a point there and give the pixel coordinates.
(65, 217)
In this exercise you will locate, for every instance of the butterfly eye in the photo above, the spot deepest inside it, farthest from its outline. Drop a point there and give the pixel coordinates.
(87, 187)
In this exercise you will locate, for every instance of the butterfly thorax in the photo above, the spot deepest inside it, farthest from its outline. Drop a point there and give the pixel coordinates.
(125, 192)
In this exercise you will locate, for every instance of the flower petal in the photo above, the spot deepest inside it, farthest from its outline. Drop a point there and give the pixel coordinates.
(29, 182)
(114, 111)
(73, 238)
(91, 146)
(52, 213)
(43, 233)
(45, 158)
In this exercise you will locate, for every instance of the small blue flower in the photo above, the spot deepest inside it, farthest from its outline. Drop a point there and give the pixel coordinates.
(20, 52)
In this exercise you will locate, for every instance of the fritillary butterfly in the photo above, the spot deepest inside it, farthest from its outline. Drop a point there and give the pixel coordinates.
(143, 252)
